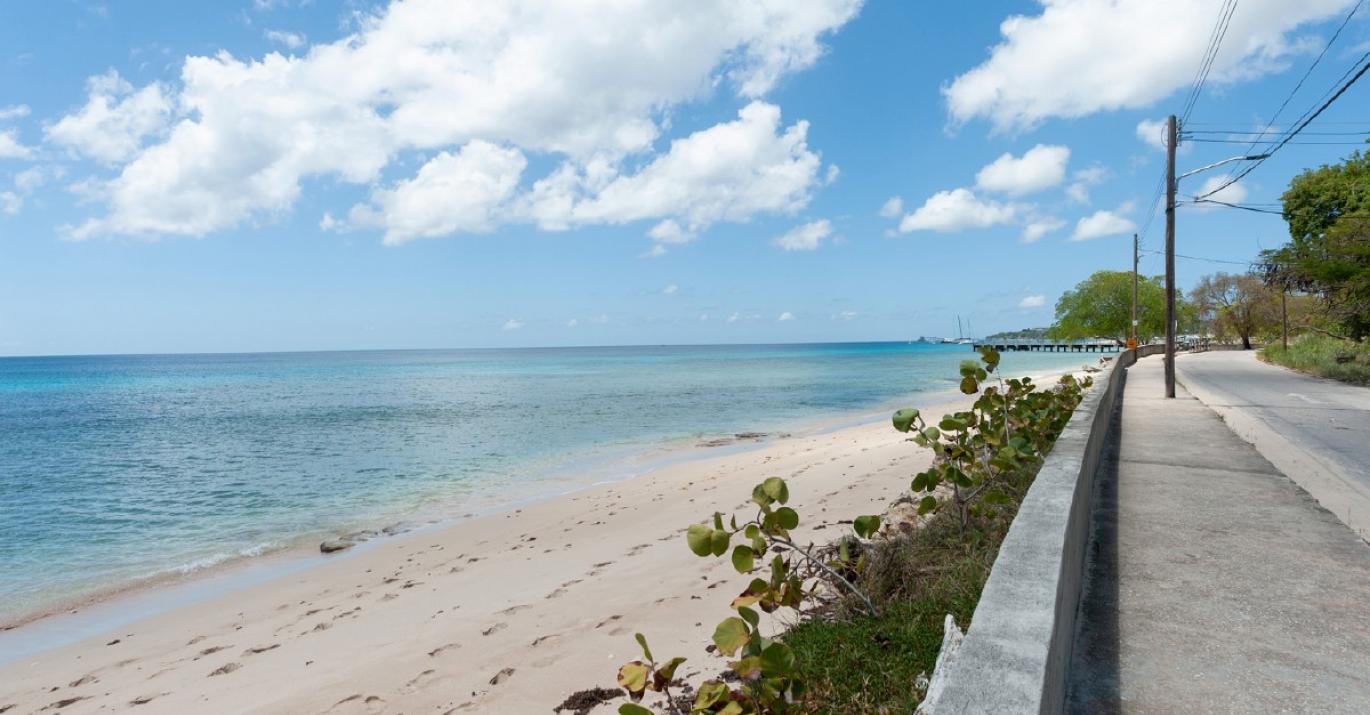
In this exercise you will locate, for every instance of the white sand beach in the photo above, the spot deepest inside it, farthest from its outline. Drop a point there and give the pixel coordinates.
(506, 613)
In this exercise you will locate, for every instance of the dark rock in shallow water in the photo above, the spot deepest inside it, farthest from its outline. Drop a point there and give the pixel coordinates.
(332, 545)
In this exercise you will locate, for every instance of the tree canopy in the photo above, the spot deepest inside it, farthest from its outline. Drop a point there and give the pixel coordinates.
(1237, 306)
(1328, 254)
(1101, 306)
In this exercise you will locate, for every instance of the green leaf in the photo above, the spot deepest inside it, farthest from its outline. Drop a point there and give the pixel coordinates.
(667, 671)
(968, 368)
(709, 693)
(932, 433)
(642, 641)
(786, 517)
(995, 496)
(866, 526)
(777, 659)
(742, 558)
(718, 520)
(730, 635)
(633, 709)
(750, 616)
(633, 677)
(776, 489)
(719, 542)
(903, 419)
(969, 386)
(928, 503)
(920, 482)
(747, 668)
(700, 538)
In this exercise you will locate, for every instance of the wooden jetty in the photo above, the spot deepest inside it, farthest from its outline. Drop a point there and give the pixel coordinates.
(1090, 345)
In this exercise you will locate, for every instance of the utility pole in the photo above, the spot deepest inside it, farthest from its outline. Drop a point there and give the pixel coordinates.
(1134, 292)
(1284, 318)
(1172, 139)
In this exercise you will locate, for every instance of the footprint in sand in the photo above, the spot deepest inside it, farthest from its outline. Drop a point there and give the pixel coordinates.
(555, 594)
(359, 704)
(442, 648)
(420, 681)
(211, 651)
(261, 649)
(145, 699)
(540, 639)
(494, 629)
(502, 676)
(607, 621)
(65, 702)
(225, 669)
(82, 681)
(514, 609)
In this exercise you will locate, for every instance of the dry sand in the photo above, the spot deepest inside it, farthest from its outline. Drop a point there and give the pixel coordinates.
(507, 613)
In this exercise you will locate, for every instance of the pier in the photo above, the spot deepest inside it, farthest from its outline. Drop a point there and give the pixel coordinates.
(1052, 346)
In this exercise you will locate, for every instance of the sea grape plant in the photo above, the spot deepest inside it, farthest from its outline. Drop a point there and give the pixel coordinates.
(1010, 424)
(764, 668)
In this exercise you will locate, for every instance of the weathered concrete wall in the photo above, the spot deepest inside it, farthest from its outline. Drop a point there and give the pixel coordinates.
(1016, 655)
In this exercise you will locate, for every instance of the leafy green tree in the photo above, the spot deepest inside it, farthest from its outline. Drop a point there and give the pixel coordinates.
(1328, 254)
(1101, 306)
(1237, 306)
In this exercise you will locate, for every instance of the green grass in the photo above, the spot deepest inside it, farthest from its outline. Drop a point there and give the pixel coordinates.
(852, 663)
(1324, 356)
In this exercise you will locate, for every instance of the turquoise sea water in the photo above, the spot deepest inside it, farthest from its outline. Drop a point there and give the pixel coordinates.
(119, 468)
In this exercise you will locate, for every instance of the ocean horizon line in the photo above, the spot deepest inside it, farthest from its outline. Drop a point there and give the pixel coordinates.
(483, 348)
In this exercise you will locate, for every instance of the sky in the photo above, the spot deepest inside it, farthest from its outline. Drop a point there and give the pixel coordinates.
(259, 175)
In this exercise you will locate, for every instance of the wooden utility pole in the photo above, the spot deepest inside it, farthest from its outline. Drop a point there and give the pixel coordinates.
(1135, 341)
(1284, 318)
(1172, 138)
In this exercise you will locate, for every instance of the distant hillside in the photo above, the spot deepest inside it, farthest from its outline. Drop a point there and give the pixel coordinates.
(1024, 333)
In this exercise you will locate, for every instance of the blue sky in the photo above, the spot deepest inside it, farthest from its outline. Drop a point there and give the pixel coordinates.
(434, 174)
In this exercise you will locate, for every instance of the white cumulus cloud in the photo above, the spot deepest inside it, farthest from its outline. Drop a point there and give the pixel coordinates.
(512, 324)
(1031, 302)
(1078, 57)
(451, 193)
(806, 237)
(16, 111)
(1039, 226)
(589, 84)
(1100, 224)
(786, 316)
(955, 210)
(292, 40)
(115, 120)
(892, 207)
(11, 147)
(1041, 167)
(1231, 194)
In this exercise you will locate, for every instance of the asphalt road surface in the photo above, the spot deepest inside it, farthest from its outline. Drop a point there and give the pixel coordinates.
(1325, 418)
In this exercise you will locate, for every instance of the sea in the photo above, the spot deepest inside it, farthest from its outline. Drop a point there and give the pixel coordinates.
(120, 469)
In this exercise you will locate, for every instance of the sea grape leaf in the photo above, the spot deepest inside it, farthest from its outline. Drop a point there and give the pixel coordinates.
(700, 538)
(730, 635)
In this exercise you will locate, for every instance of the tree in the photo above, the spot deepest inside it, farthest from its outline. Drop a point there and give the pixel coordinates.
(1237, 305)
(1101, 306)
(1328, 254)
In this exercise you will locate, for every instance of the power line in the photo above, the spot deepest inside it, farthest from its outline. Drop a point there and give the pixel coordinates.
(1313, 66)
(1215, 41)
(1259, 209)
(1204, 140)
(1309, 117)
(1201, 258)
(1232, 178)
(1235, 132)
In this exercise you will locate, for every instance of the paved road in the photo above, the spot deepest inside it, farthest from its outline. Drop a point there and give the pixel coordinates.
(1213, 583)
(1316, 431)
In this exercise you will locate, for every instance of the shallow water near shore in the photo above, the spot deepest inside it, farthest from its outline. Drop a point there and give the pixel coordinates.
(122, 468)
